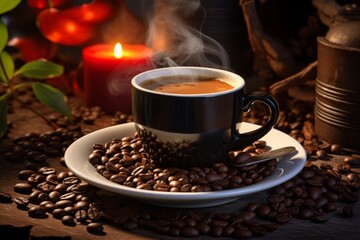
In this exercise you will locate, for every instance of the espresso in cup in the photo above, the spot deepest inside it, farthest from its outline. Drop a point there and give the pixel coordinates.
(198, 127)
(187, 85)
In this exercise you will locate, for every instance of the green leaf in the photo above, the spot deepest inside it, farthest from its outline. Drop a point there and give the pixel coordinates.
(3, 112)
(51, 97)
(8, 65)
(3, 35)
(40, 69)
(7, 5)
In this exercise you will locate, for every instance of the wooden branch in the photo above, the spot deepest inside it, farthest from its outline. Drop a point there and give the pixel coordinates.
(308, 73)
(275, 56)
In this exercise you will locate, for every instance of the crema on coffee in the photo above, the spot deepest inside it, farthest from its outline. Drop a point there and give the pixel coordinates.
(187, 85)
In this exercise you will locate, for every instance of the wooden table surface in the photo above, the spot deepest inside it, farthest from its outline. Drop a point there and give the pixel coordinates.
(14, 220)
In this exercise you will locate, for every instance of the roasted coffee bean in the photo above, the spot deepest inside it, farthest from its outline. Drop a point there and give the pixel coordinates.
(25, 174)
(353, 161)
(95, 228)
(21, 202)
(241, 157)
(54, 196)
(314, 192)
(189, 232)
(43, 203)
(68, 196)
(321, 217)
(5, 197)
(94, 214)
(353, 177)
(216, 231)
(58, 213)
(34, 197)
(262, 211)
(70, 210)
(321, 154)
(71, 180)
(45, 187)
(283, 217)
(68, 220)
(329, 207)
(280, 207)
(259, 144)
(81, 215)
(227, 231)
(348, 211)
(64, 203)
(320, 202)
(49, 207)
(47, 170)
(331, 196)
(62, 175)
(52, 179)
(336, 148)
(40, 158)
(81, 205)
(23, 187)
(203, 227)
(35, 179)
(306, 213)
(37, 212)
(257, 230)
(275, 198)
(242, 233)
(43, 197)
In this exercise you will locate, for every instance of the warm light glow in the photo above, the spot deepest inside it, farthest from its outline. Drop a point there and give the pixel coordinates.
(118, 52)
(70, 26)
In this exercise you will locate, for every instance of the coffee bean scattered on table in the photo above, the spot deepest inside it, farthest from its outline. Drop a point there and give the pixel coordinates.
(316, 194)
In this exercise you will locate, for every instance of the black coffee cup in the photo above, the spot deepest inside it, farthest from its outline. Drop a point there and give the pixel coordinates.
(195, 130)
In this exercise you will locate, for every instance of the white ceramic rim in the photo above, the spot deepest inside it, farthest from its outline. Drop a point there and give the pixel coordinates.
(233, 79)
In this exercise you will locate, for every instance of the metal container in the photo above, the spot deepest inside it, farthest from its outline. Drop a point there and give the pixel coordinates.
(337, 99)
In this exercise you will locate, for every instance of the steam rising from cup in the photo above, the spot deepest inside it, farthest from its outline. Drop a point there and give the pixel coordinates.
(176, 43)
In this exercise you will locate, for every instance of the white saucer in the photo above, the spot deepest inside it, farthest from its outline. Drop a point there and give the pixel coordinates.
(76, 159)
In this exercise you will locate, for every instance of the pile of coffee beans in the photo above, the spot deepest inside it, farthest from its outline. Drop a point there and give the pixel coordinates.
(60, 194)
(316, 194)
(313, 195)
(124, 161)
(38, 148)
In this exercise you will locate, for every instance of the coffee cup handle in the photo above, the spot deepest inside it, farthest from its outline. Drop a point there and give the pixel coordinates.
(244, 139)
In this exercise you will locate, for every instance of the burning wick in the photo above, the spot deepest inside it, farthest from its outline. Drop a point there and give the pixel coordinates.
(118, 52)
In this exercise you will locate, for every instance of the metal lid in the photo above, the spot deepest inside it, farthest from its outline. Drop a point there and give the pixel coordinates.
(346, 31)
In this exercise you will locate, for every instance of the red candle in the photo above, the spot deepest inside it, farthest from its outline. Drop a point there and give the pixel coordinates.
(108, 71)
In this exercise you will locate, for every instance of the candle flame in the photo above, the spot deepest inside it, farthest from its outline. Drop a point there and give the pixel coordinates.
(118, 52)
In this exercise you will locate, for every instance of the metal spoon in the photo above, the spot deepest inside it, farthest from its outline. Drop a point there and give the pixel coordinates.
(266, 156)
